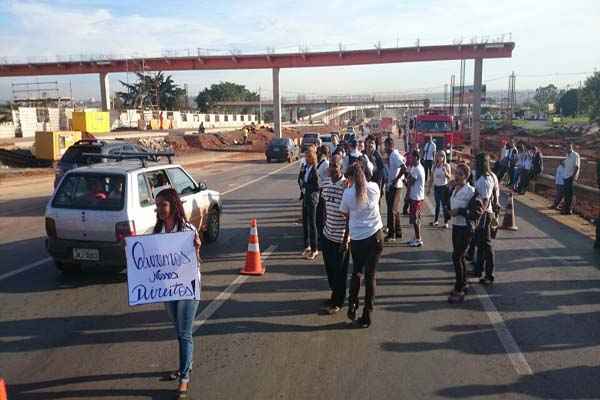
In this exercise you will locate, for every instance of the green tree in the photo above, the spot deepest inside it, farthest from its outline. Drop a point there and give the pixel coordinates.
(591, 97)
(224, 91)
(545, 95)
(156, 91)
(567, 103)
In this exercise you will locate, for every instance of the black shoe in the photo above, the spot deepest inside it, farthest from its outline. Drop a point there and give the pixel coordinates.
(487, 281)
(365, 320)
(352, 311)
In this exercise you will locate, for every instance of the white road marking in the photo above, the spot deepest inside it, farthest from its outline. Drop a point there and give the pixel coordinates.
(226, 294)
(509, 343)
(257, 179)
(25, 268)
(511, 347)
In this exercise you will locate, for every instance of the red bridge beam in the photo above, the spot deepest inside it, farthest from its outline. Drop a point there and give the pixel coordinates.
(263, 61)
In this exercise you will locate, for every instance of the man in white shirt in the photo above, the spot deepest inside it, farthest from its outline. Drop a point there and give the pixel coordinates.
(396, 168)
(572, 165)
(416, 196)
(429, 150)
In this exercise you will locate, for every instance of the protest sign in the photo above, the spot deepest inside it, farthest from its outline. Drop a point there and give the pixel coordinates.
(162, 267)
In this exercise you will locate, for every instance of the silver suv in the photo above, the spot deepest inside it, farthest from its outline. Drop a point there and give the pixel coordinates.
(95, 207)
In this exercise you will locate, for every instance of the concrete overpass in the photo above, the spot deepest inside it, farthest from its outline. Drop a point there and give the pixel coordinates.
(275, 61)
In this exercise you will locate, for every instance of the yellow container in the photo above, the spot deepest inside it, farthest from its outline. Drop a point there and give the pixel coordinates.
(52, 145)
(91, 121)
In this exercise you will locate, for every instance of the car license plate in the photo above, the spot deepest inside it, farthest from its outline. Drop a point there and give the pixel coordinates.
(86, 254)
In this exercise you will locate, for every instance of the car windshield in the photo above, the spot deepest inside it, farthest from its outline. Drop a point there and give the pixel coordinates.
(91, 192)
(433, 126)
(74, 155)
(326, 139)
(279, 142)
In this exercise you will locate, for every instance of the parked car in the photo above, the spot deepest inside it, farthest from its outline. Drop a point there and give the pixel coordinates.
(282, 149)
(310, 138)
(95, 207)
(74, 156)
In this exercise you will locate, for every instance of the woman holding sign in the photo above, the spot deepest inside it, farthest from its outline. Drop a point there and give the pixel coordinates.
(171, 218)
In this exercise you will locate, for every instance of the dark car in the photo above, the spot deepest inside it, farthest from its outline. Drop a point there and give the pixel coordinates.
(310, 138)
(282, 150)
(74, 156)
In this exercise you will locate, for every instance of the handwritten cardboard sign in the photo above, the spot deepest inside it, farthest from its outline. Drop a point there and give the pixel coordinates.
(162, 267)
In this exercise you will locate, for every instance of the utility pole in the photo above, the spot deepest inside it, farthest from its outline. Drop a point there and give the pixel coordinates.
(259, 105)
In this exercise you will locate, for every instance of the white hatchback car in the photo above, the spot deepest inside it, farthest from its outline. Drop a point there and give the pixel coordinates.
(94, 208)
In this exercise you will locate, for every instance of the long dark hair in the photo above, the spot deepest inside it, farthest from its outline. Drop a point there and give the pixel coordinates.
(356, 174)
(176, 206)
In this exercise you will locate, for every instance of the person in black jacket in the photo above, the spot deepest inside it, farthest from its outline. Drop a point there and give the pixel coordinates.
(378, 175)
(309, 179)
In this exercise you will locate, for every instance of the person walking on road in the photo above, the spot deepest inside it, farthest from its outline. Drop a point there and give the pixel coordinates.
(429, 151)
(572, 165)
(486, 186)
(360, 204)
(171, 218)
(416, 194)
(373, 155)
(323, 172)
(335, 236)
(462, 232)
(310, 186)
(396, 169)
(441, 177)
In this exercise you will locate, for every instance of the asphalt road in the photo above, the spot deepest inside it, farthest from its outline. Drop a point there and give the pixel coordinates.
(534, 334)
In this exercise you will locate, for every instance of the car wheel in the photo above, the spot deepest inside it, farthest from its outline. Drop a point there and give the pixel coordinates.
(213, 225)
(268, 160)
(67, 268)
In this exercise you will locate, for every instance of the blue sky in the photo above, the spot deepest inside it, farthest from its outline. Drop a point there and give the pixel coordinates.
(556, 41)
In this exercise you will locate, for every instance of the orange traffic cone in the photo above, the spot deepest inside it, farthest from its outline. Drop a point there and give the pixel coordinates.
(3, 395)
(509, 221)
(253, 263)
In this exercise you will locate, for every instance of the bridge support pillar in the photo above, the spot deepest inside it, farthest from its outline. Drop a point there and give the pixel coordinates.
(476, 113)
(276, 103)
(294, 114)
(104, 91)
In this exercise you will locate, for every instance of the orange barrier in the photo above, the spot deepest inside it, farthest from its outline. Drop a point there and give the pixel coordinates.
(253, 262)
(3, 395)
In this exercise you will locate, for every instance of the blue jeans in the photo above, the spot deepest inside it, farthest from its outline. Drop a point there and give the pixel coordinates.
(440, 194)
(183, 313)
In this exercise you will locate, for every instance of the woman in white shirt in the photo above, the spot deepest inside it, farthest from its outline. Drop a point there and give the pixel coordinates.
(360, 204)
(486, 186)
(441, 176)
(171, 218)
(461, 230)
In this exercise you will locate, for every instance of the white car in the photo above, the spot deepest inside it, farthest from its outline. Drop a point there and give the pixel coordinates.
(94, 208)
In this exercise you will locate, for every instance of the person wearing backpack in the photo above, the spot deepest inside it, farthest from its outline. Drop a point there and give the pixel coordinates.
(486, 187)
(465, 210)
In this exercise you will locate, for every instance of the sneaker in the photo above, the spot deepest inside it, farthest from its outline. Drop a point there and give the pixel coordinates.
(416, 243)
(446, 226)
(333, 310)
(306, 252)
(434, 223)
(486, 281)
(312, 255)
(390, 239)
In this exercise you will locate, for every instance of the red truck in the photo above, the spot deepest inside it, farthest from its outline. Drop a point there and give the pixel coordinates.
(443, 128)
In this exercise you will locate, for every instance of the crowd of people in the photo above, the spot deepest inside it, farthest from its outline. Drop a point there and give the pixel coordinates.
(343, 195)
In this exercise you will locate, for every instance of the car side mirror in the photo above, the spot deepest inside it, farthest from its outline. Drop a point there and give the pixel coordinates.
(202, 186)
